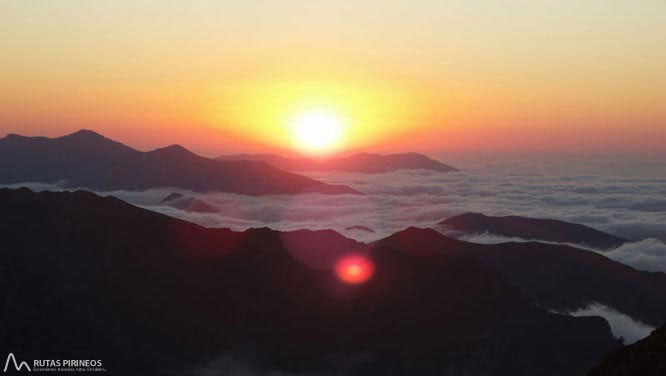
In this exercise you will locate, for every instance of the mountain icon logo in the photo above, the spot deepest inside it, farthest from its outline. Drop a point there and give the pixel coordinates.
(17, 366)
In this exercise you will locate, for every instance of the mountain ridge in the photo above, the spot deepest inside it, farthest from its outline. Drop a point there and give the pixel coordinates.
(359, 162)
(87, 159)
(557, 276)
(533, 229)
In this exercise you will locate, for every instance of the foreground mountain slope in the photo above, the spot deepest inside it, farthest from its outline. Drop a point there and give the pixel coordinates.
(556, 276)
(532, 228)
(646, 357)
(95, 278)
(87, 159)
(361, 162)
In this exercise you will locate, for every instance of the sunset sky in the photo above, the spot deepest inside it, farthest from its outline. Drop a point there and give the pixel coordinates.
(393, 75)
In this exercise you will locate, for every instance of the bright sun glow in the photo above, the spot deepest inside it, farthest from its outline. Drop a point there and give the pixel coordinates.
(317, 131)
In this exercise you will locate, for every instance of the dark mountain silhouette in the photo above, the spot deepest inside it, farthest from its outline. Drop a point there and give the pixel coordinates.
(646, 357)
(189, 204)
(172, 196)
(360, 228)
(87, 159)
(360, 162)
(556, 276)
(531, 228)
(89, 277)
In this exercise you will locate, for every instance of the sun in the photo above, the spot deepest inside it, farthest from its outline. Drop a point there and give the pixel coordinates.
(317, 131)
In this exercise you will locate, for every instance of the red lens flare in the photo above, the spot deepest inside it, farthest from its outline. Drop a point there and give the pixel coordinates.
(354, 269)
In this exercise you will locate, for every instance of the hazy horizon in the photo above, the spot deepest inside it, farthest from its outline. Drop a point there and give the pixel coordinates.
(606, 163)
(493, 76)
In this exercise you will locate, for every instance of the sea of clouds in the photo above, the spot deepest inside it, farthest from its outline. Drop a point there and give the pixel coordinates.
(633, 207)
(629, 207)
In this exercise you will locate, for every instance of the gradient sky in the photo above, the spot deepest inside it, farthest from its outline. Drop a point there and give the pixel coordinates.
(220, 76)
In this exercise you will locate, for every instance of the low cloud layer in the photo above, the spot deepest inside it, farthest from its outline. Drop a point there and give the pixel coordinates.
(630, 207)
(621, 324)
(648, 254)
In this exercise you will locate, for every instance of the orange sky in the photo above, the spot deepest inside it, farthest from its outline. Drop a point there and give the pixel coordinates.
(468, 76)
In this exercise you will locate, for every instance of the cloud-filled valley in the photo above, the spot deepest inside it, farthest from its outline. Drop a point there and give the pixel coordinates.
(630, 207)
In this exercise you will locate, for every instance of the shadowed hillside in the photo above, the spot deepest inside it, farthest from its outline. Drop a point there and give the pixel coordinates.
(556, 276)
(91, 277)
(535, 229)
(646, 357)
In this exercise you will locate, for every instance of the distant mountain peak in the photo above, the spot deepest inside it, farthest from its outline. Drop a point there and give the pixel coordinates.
(421, 231)
(172, 196)
(13, 135)
(422, 235)
(13, 138)
(85, 133)
(87, 159)
(188, 204)
(175, 148)
(360, 228)
(551, 230)
(362, 162)
(420, 239)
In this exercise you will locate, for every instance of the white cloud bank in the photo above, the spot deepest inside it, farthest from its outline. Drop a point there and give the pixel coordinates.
(648, 254)
(621, 324)
(630, 207)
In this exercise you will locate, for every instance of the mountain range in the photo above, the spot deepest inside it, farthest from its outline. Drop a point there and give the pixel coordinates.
(86, 159)
(361, 162)
(549, 230)
(559, 277)
(151, 294)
